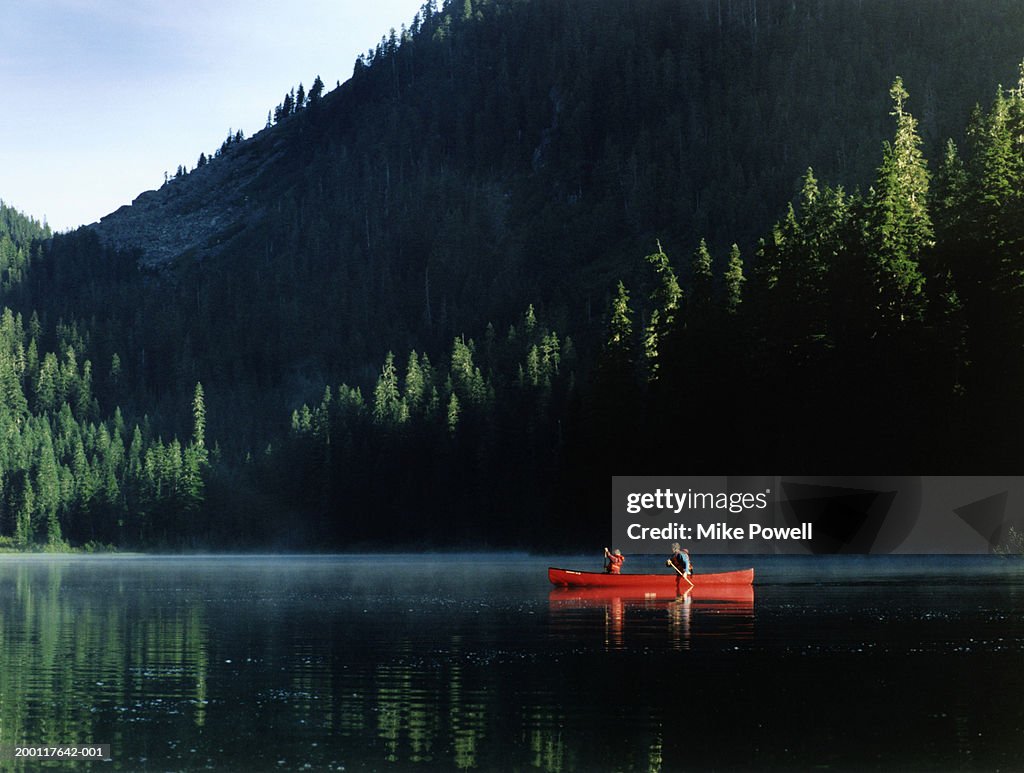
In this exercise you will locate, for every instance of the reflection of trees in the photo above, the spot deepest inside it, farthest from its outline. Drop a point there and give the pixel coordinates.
(411, 714)
(403, 711)
(466, 715)
(127, 657)
(548, 747)
(70, 658)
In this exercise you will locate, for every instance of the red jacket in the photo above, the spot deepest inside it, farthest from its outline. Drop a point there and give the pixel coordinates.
(615, 563)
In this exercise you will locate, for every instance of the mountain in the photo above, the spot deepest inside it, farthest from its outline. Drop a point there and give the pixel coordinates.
(488, 154)
(509, 163)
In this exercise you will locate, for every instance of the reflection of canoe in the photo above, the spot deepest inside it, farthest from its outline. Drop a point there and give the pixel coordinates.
(742, 595)
(573, 579)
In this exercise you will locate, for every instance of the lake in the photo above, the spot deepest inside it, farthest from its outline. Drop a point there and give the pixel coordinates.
(408, 662)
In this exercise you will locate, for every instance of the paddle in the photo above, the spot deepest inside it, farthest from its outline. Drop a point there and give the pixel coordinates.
(672, 563)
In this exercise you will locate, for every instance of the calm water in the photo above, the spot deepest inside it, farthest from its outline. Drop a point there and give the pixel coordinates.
(435, 663)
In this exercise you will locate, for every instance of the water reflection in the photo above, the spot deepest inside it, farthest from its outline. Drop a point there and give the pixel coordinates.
(466, 713)
(639, 616)
(83, 669)
(342, 664)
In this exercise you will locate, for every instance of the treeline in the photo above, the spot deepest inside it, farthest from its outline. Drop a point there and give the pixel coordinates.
(460, 453)
(18, 236)
(297, 100)
(294, 101)
(502, 153)
(876, 330)
(68, 475)
(496, 154)
(873, 331)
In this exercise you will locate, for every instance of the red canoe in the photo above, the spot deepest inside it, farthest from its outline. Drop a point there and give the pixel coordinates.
(567, 578)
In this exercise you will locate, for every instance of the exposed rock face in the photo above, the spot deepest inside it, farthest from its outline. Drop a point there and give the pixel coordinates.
(193, 216)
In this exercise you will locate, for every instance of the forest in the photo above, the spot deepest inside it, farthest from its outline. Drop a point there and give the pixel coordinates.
(444, 331)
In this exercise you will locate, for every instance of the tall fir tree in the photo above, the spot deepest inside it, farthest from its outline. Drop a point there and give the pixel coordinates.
(899, 228)
(734, 281)
(387, 401)
(665, 301)
(702, 280)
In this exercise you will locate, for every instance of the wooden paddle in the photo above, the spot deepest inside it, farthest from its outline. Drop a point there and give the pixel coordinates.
(672, 563)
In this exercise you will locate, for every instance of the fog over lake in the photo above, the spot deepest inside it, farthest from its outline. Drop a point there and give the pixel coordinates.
(410, 662)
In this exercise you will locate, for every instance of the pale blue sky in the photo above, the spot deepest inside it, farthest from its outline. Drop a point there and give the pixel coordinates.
(101, 97)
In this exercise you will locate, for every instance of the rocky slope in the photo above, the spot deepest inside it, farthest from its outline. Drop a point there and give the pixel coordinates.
(197, 215)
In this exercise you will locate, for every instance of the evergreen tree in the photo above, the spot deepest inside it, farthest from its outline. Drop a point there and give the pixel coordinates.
(734, 280)
(702, 280)
(899, 228)
(619, 345)
(48, 498)
(24, 515)
(199, 417)
(665, 300)
(387, 404)
(467, 378)
(415, 384)
(454, 412)
(316, 90)
(530, 322)
(948, 194)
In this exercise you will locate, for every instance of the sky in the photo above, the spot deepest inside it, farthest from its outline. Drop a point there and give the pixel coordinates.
(102, 97)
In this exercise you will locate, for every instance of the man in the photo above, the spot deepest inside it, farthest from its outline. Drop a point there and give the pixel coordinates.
(614, 565)
(681, 561)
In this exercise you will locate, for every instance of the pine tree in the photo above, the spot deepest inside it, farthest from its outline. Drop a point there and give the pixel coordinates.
(454, 412)
(467, 378)
(415, 384)
(199, 417)
(665, 299)
(530, 322)
(899, 228)
(47, 386)
(12, 397)
(816, 251)
(702, 280)
(619, 346)
(48, 488)
(387, 404)
(734, 280)
(533, 365)
(995, 204)
(24, 515)
(316, 90)
(83, 403)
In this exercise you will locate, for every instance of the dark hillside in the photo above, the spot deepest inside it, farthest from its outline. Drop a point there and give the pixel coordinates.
(527, 152)
(472, 208)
